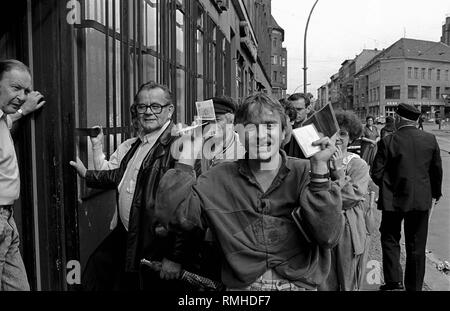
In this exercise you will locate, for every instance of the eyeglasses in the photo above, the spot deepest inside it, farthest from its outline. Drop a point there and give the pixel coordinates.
(154, 108)
(343, 134)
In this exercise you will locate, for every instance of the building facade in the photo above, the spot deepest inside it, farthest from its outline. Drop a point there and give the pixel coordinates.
(333, 91)
(260, 12)
(410, 71)
(279, 61)
(322, 97)
(345, 89)
(88, 58)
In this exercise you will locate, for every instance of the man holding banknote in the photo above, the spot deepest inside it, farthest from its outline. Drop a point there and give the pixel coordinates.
(247, 205)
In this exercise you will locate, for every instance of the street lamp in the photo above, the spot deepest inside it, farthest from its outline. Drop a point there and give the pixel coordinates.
(305, 68)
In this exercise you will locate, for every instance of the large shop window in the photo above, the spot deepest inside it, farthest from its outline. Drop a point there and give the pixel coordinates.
(101, 74)
(150, 48)
(211, 54)
(181, 60)
(239, 76)
(124, 43)
(200, 46)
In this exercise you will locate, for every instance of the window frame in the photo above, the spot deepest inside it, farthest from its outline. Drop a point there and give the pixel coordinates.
(386, 94)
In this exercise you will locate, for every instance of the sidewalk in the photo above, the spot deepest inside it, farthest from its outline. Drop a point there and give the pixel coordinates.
(434, 280)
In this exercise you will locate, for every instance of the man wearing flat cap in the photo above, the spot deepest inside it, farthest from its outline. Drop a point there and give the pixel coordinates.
(408, 170)
(221, 144)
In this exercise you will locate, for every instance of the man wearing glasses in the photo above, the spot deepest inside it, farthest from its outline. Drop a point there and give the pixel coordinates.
(115, 263)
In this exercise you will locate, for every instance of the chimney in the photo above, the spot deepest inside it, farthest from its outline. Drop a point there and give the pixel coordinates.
(446, 31)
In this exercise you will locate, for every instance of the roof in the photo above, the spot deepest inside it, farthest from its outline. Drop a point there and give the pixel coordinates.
(334, 77)
(414, 49)
(347, 61)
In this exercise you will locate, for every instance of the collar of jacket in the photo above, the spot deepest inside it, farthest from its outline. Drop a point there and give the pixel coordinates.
(406, 126)
(244, 170)
(166, 137)
(163, 141)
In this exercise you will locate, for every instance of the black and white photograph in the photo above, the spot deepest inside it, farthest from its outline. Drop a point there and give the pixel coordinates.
(164, 146)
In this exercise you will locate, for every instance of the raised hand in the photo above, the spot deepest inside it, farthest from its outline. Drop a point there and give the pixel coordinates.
(170, 270)
(32, 103)
(79, 167)
(319, 161)
(337, 159)
(99, 138)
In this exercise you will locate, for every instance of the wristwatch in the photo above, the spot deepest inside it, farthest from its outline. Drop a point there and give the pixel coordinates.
(21, 112)
(319, 176)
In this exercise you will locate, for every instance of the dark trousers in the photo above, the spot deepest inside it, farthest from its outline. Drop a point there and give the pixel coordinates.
(105, 269)
(416, 231)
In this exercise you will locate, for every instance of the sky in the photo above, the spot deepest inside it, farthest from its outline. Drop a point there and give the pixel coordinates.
(341, 29)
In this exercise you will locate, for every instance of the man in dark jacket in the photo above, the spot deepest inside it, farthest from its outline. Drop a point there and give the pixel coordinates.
(115, 263)
(302, 106)
(408, 170)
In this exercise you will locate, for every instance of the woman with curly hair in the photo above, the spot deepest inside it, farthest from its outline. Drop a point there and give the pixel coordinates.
(370, 138)
(351, 173)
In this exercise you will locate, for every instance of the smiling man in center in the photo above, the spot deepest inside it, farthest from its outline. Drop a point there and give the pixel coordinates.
(247, 205)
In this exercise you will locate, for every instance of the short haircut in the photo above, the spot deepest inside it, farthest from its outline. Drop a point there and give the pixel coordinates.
(253, 106)
(10, 64)
(370, 117)
(296, 96)
(289, 109)
(349, 121)
(390, 120)
(148, 87)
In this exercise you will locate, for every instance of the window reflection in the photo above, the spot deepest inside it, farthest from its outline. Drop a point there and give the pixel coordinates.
(180, 30)
(181, 99)
(96, 10)
(150, 24)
